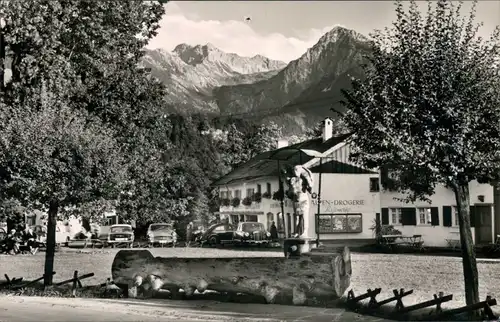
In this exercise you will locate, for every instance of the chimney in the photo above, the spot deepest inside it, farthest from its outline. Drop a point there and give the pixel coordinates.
(282, 144)
(327, 129)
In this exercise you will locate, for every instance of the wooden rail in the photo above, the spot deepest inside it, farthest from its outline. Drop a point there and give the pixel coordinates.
(15, 287)
(401, 311)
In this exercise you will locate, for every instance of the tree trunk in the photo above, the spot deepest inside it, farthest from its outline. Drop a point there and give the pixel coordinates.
(51, 243)
(496, 203)
(468, 252)
(311, 279)
(2, 59)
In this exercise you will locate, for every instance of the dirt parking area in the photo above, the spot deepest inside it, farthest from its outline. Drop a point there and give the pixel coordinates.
(426, 275)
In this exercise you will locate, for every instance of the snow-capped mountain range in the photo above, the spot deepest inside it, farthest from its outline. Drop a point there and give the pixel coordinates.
(204, 79)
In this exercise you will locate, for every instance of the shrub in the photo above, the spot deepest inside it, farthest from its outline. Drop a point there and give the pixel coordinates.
(235, 202)
(247, 201)
(266, 195)
(278, 195)
(257, 197)
(225, 202)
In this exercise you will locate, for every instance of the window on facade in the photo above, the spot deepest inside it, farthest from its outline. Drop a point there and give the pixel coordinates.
(268, 188)
(30, 220)
(251, 218)
(242, 218)
(229, 194)
(259, 188)
(223, 194)
(424, 216)
(374, 185)
(237, 194)
(250, 192)
(396, 217)
(281, 222)
(234, 219)
(455, 216)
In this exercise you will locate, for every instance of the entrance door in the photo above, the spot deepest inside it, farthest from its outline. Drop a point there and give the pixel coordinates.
(289, 224)
(484, 229)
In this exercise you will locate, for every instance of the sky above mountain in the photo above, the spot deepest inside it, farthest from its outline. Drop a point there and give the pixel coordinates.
(281, 30)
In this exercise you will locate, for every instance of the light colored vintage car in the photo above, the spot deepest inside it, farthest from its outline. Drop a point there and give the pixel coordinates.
(120, 234)
(161, 234)
(62, 236)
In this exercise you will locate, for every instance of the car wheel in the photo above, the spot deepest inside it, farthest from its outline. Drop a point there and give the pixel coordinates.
(213, 241)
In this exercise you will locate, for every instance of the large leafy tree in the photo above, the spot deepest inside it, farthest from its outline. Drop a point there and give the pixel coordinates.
(81, 119)
(429, 110)
(53, 158)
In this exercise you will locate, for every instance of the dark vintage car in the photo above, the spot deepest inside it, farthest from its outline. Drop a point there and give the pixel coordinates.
(251, 233)
(120, 234)
(217, 234)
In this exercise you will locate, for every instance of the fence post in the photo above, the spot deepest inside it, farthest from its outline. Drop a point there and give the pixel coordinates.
(75, 283)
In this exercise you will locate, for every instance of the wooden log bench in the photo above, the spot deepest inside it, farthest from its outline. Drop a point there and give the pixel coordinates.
(312, 279)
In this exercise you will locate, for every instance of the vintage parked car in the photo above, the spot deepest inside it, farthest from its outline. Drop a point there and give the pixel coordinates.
(251, 233)
(217, 234)
(160, 234)
(119, 234)
(62, 236)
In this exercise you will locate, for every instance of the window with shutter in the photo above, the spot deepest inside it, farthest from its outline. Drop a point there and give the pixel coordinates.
(268, 188)
(259, 188)
(434, 216)
(447, 219)
(385, 216)
(409, 216)
(424, 216)
(396, 216)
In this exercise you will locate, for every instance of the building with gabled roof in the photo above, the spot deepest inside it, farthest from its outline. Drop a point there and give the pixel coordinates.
(350, 200)
(250, 192)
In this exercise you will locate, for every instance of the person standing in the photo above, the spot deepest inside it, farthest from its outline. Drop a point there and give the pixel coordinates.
(30, 238)
(189, 234)
(174, 238)
(274, 232)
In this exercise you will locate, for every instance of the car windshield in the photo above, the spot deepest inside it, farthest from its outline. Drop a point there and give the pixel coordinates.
(249, 227)
(121, 229)
(161, 227)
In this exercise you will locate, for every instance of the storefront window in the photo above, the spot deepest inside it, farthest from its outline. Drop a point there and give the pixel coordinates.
(234, 219)
(251, 218)
(270, 219)
(281, 222)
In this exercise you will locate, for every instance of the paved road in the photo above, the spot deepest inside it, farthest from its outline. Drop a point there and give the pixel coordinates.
(24, 309)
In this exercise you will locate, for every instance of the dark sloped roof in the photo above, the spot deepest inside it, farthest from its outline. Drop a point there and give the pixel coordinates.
(335, 166)
(266, 164)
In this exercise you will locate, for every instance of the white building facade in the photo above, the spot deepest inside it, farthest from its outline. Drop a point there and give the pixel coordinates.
(350, 199)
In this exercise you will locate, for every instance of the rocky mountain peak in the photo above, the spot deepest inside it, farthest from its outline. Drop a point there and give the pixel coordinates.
(208, 55)
(194, 55)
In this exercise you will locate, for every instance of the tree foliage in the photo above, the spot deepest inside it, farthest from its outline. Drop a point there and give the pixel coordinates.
(79, 116)
(428, 109)
(84, 129)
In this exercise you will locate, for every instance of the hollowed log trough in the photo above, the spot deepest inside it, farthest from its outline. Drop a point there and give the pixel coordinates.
(312, 279)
